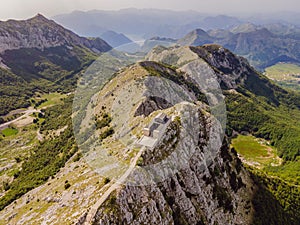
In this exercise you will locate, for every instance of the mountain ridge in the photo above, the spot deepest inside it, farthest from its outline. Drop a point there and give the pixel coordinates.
(39, 32)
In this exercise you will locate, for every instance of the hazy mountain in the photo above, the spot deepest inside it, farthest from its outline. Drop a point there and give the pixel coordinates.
(220, 33)
(115, 39)
(220, 22)
(145, 23)
(263, 48)
(195, 38)
(288, 30)
(43, 56)
(259, 45)
(284, 17)
(245, 28)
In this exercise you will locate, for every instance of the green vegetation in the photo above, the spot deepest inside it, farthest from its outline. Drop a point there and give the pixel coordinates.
(282, 71)
(285, 74)
(278, 124)
(9, 132)
(106, 133)
(45, 161)
(15, 92)
(288, 171)
(249, 147)
(258, 153)
(58, 116)
(52, 70)
(104, 121)
(67, 185)
(275, 201)
(47, 157)
(106, 180)
(255, 150)
(51, 99)
(103, 124)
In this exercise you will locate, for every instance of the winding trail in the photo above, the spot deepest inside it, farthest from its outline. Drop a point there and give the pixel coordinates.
(26, 114)
(92, 212)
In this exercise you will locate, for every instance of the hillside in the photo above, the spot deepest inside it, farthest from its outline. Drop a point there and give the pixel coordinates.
(43, 56)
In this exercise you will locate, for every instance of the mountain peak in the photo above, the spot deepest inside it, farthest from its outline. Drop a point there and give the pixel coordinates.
(196, 37)
(40, 32)
(199, 32)
(39, 17)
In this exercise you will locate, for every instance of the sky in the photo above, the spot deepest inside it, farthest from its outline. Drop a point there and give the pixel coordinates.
(22, 9)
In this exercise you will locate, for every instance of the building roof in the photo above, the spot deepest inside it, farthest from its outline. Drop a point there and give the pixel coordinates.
(161, 116)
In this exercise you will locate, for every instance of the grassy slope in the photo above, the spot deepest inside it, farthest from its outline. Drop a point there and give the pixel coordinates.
(282, 71)
(9, 132)
(33, 70)
(46, 158)
(255, 150)
(279, 125)
(285, 74)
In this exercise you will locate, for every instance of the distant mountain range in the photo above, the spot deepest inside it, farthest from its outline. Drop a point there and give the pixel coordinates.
(144, 23)
(148, 23)
(261, 46)
(263, 39)
(40, 55)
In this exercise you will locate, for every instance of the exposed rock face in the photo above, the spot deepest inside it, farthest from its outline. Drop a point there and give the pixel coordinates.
(151, 104)
(206, 190)
(193, 180)
(39, 32)
(231, 71)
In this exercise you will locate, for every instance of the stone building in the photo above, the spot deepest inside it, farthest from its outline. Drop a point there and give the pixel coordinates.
(156, 129)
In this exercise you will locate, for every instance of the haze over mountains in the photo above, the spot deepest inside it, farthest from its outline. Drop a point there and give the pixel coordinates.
(148, 23)
(262, 47)
(263, 40)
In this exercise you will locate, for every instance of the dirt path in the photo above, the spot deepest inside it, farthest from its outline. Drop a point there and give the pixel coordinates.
(39, 135)
(92, 213)
(26, 115)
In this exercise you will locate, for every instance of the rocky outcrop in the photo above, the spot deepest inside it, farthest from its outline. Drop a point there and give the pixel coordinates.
(190, 177)
(206, 190)
(151, 104)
